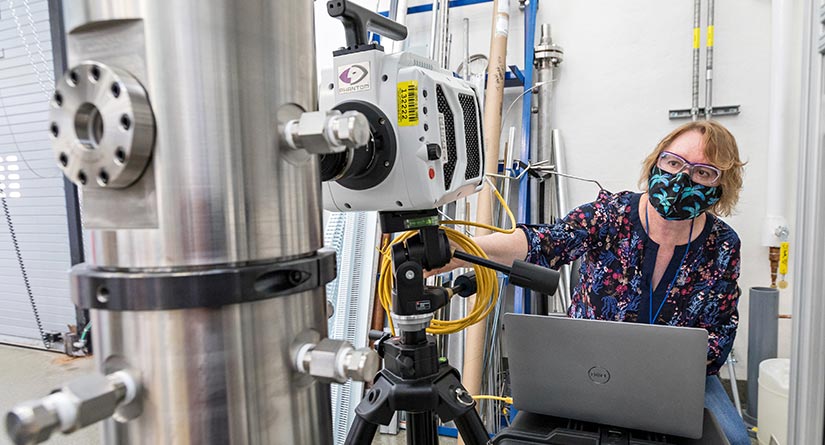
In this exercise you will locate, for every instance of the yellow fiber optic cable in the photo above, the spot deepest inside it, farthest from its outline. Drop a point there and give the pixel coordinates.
(486, 280)
(508, 400)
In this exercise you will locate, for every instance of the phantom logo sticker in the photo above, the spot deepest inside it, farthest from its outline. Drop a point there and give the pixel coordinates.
(353, 78)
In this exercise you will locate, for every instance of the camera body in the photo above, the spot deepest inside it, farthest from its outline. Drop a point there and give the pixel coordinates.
(426, 146)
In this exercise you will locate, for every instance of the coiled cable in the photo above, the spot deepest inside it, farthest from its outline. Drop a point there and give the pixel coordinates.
(486, 280)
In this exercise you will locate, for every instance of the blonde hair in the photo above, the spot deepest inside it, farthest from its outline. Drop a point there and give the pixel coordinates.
(720, 149)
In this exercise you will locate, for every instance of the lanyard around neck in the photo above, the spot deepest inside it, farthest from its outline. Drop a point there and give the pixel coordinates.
(651, 316)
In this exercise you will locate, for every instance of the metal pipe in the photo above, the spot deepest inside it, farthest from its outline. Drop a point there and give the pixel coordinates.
(563, 196)
(433, 53)
(709, 63)
(547, 57)
(734, 385)
(694, 108)
(439, 32)
(448, 48)
(444, 34)
(508, 165)
(545, 68)
(562, 208)
(466, 49)
(522, 296)
(401, 19)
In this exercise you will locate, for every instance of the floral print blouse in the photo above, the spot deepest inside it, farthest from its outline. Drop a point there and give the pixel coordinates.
(614, 284)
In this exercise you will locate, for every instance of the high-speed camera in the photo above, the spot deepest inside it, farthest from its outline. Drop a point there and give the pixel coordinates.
(426, 146)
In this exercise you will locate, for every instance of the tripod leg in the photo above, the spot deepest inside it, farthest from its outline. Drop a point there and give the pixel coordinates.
(361, 432)
(421, 429)
(471, 428)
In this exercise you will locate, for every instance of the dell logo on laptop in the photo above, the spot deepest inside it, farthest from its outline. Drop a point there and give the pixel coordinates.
(598, 375)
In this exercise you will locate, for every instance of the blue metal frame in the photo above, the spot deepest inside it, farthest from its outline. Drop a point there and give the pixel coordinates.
(522, 297)
(447, 431)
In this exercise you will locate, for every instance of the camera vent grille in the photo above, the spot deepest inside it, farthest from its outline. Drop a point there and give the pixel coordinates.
(449, 129)
(468, 105)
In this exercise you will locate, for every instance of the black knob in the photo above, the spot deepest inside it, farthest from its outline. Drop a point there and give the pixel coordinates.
(465, 285)
(433, 152)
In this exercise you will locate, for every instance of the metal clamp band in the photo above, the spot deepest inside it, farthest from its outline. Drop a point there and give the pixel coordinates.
(141, 291)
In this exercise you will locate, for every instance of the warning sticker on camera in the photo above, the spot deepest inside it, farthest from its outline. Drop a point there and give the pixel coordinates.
(408, 103)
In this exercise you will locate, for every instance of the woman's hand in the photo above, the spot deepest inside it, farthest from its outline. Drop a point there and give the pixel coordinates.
(502, 248)
(454, 263)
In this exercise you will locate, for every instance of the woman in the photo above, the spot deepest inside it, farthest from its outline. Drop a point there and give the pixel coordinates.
(659, 257)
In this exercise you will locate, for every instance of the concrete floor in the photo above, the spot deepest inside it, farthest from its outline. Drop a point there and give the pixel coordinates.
(28, 374)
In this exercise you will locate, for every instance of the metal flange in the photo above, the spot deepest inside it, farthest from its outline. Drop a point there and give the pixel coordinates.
(102, 126)
(548, 52)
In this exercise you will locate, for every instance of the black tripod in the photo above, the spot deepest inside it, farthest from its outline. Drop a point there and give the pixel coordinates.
(414, 378)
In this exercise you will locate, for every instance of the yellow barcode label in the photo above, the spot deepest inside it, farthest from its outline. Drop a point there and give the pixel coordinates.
(784, 251)
(710, 36)
(696, 38)
(408, 103)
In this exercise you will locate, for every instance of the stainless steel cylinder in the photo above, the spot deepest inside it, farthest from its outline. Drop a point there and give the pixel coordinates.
(219, 376)
(222, 77)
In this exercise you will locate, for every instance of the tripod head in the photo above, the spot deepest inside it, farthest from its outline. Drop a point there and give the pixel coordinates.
(413, 303)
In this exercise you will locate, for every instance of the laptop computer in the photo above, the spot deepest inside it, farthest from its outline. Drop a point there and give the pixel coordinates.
(630, 375)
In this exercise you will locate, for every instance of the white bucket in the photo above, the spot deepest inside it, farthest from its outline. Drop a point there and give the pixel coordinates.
(774, 381)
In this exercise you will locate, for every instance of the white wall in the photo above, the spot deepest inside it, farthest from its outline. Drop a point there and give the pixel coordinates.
(626, 64)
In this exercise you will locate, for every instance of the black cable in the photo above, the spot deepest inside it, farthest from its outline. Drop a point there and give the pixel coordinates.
(25, 275)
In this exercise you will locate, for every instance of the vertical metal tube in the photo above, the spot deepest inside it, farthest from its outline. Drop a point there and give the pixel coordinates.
(401, 19)
(522, 296)
(505, 183)
(543, 202)
(709, 63)
(551, 202)
(697, 11)
(543, 95)
(562, 194)
(447, 51)
(734, 385)
(433, 49)
(466, 49)
(446, 37)
(562, 208)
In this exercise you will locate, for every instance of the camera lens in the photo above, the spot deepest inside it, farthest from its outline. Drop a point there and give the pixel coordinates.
(353, 163)
(363, 167)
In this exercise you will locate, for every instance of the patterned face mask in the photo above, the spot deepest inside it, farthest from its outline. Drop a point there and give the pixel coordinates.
(677, 197)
